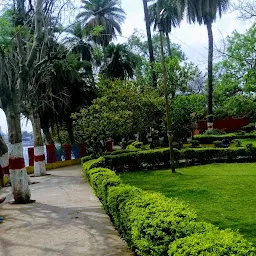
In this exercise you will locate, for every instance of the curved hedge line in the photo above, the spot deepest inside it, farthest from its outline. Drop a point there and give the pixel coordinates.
(148, 159)
(209, 139)
(155, 225)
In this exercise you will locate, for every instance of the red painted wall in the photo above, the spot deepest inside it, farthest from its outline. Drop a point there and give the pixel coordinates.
(229, 124)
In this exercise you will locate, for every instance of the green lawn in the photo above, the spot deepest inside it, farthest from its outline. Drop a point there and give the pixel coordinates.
(223, 194)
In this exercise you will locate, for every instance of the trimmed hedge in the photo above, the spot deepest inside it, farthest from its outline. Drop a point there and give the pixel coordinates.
(150, 159)
(155, 225)
(209, 139)
(213, 243)
(116, 152)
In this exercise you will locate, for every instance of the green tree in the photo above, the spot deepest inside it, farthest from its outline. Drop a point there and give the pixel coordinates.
(205, 12)
(138, 44)
(235, 76)
(120, 62)
(179, 75)
(104, 13)
(122, 110)
(173, 14)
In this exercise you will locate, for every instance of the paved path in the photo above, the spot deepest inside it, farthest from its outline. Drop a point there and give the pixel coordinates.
(66, 220)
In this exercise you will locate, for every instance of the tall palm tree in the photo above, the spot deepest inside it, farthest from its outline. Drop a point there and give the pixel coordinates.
(77, 43)
(105, 14)
(120, 62)
(150, 43)
(172, 17)
(205, 12)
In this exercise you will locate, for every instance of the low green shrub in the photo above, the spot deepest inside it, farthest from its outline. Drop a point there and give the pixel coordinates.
(195, 143)
(153, 224)
(140, 159)
(249, 146)
(238, 143)
(86, 159)
(94, 163)
(101, 179)
(117, 199)
(137, 144)
(150, 159)
(212, 243)
(208, 139)
(249, 128)
(214, 132)
(217, 144)
(153, 221)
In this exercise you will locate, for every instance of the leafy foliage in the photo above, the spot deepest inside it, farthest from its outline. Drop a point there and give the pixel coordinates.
(105, 13)
(120, 62)
(121, 110)
(153, 224)
(234, 93)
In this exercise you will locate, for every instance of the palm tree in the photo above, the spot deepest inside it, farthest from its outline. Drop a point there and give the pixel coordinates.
(171, 18)
(120, 62)
(77, 43)
(105, 15)
(150, 44)
(205, 12)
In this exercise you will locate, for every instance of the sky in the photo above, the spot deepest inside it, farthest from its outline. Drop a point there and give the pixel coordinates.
(192, 38)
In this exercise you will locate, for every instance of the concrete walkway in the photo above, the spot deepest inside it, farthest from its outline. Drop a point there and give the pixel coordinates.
(66, 220)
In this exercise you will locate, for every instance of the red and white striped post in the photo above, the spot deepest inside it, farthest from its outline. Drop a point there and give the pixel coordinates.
(18, 174)
(39, 164)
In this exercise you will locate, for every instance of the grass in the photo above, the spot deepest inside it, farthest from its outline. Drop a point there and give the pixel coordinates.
(222, 194)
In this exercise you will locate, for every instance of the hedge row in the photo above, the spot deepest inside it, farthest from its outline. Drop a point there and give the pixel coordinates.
(150, 159)
(116, 152)
(209, 139)
(155, 225)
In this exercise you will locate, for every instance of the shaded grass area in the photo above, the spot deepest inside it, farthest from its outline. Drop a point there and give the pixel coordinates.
(222, 194)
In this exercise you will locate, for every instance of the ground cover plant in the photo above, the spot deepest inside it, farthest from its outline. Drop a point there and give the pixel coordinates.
(222, 194)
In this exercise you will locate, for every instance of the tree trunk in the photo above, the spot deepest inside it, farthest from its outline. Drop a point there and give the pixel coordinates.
(168, 44)
(150, 44)
(167, 107)
(210, 76)
(39, 161)
(45, 125)
(4, 157)
(70, 131)
(18, 174)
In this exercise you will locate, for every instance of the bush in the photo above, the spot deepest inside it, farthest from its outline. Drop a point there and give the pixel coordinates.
(86, 159)
(217, 144)
(152, 223)
(117, 198)
(208, 139)
(214, 132)
(195, 143)
(249, 128)
(137, 144)
(238, 143)
(142, 159)
(212, 243)
(249, 146)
